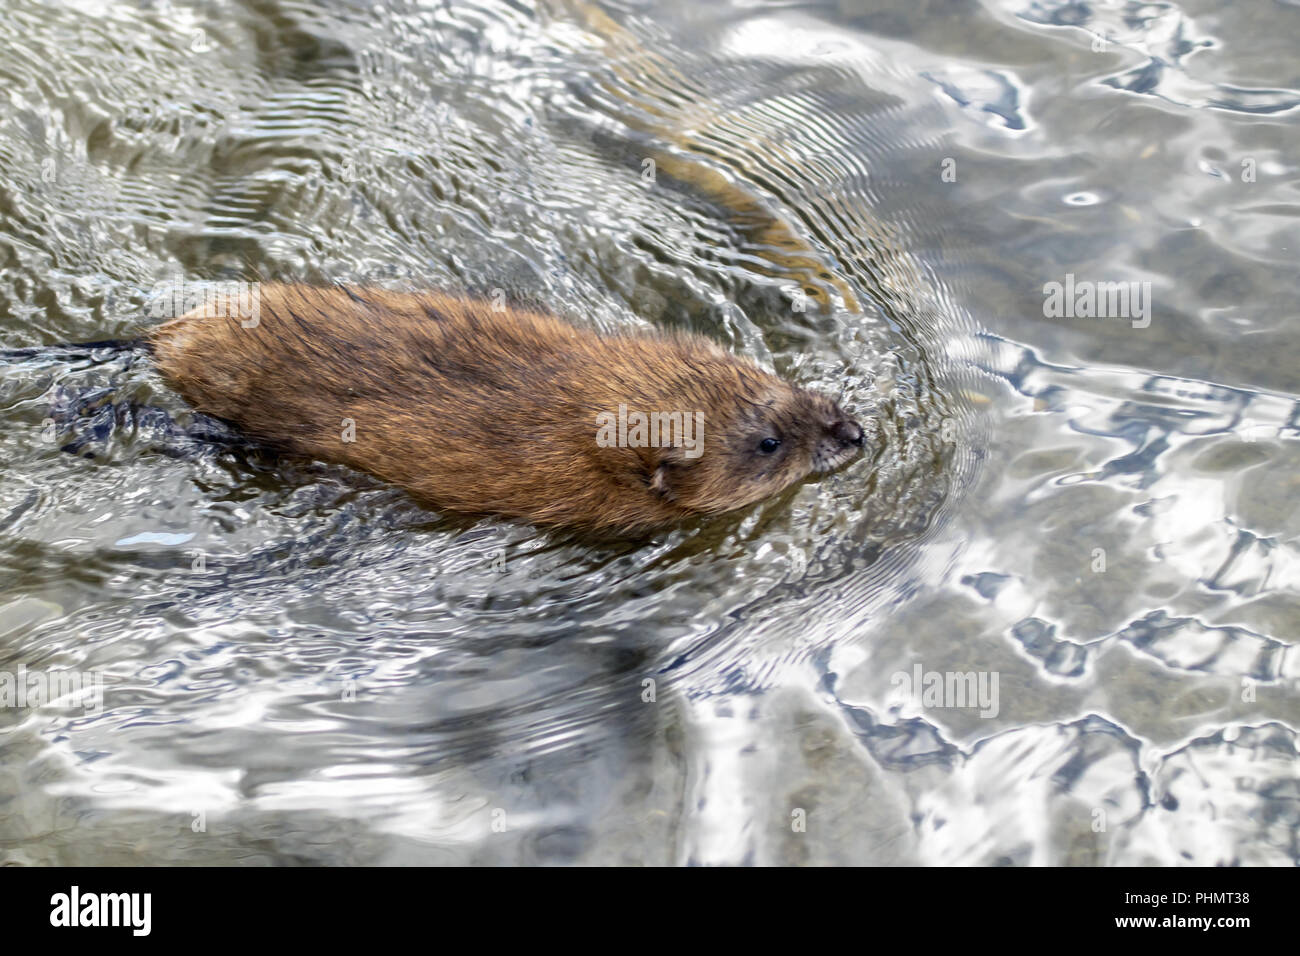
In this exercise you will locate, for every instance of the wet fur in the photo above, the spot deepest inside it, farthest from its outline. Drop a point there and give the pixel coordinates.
(493, 411)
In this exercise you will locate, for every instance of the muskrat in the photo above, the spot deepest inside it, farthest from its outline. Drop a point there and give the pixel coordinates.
(488, 408)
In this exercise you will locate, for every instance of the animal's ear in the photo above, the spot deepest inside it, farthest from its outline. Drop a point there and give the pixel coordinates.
(667, 473)
(661, 481)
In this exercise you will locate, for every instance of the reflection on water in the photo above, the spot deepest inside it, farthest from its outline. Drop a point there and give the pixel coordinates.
(1092, 519)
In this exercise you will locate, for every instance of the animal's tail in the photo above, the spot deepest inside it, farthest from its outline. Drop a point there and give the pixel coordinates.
(110, 347)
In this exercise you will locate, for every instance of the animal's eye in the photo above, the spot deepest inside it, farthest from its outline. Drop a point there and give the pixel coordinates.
(769, 445)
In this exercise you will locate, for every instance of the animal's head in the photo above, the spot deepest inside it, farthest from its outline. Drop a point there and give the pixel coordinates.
(758, 435)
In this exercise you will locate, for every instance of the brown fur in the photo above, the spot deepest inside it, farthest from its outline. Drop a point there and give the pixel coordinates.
(479, 410)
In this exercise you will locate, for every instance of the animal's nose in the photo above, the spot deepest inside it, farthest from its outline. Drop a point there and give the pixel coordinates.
(847, 432)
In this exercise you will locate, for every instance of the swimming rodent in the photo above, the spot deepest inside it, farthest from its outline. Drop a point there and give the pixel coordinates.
(493, 409)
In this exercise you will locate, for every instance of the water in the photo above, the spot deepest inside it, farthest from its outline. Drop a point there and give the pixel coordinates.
(299, 665)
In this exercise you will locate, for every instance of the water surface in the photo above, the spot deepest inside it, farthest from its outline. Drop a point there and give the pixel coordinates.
(300, 665)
